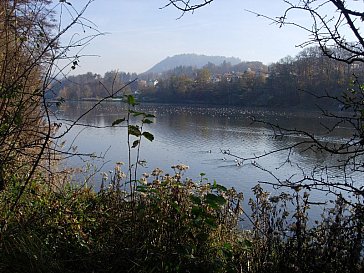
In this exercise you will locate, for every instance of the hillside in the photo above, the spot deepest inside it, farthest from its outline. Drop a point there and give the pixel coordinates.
(194, 60)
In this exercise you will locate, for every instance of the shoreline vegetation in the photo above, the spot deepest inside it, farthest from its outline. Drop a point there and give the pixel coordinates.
(172, 224)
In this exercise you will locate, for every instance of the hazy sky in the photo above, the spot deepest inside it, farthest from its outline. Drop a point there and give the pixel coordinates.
(140, 34)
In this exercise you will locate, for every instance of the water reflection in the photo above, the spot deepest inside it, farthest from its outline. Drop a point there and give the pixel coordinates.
(195, 135)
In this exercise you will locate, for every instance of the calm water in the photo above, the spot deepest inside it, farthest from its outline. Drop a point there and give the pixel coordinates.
(195, 136)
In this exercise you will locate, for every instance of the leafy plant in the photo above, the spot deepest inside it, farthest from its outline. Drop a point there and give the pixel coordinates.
(135, 135)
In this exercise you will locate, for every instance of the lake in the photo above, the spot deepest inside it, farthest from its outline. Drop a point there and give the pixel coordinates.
(198, 135)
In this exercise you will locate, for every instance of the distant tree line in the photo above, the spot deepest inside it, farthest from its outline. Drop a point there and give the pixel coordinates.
(292, 81)
(92, 85)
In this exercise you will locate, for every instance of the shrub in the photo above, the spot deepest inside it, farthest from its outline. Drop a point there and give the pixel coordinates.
(169, 225)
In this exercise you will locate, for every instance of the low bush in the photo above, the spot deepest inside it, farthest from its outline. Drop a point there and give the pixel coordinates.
(168, 225)
(172, 224)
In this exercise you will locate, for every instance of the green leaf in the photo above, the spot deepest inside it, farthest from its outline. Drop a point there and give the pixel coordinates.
(197, 211)
(147, 121)
(118, 121)
(136, 113)
(142, 188)
(218, 187)
(149, 116)
(210, 221)
(148, 136)
(131, 100)
(247, 244)
(196, 199)
(215, 201)
(176, 207)
(228, 246)
(135, 143)
(134, 130)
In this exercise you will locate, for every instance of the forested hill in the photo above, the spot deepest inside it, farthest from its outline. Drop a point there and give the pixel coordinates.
(307, 81)
(194, 60)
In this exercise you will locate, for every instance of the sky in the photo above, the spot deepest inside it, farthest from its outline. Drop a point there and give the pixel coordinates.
(139, 34)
